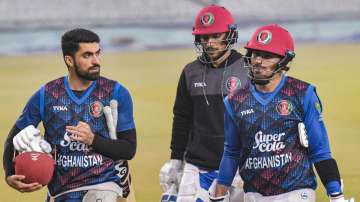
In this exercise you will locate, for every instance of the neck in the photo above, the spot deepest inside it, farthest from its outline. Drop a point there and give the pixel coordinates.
(271, 86)
(216, 63)
(77, 83)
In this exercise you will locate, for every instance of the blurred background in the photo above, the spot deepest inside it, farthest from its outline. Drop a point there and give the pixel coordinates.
(147, 43)
(35, 26)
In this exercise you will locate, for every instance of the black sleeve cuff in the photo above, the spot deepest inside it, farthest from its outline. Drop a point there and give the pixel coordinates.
(9, 152)
(328, 171)
(124, 148)
(177, 155)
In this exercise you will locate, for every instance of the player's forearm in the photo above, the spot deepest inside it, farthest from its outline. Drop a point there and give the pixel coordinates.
(124, 148)
(180, 133)
(329, 175)
(9, 152)
(182, 121)
(228, 167)
(220, 190)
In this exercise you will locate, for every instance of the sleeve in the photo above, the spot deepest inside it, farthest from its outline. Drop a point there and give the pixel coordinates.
(182, 121)
(9, 152)
(232, 148)
(125, 109)
(123, 148)
(31, 114)
(319, 148)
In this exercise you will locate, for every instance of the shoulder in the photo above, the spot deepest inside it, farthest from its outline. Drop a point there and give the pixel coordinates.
(295, 87)
(56, 82)
(239, 95)
(193, 66)
(297, 83)
(105, 81)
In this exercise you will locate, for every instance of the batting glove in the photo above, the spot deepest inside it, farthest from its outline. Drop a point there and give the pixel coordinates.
(213, 198)
(340, 198)
(170, 173)
(30, 139)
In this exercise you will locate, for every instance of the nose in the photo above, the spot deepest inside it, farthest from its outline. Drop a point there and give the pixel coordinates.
(257, 60)
(96, 59)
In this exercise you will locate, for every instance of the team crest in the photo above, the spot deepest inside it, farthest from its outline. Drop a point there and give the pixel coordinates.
(264, 37)
(207, 19)
(96, 109)
(284, 107)
(233, 83)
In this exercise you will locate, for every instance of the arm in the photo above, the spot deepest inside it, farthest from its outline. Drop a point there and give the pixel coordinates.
(122, 148)
(319, 147)
(29, 116)
(182, 121)
(232, 153)
(170, 172)
(9, 152)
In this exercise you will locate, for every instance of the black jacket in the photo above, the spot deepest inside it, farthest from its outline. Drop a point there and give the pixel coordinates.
(198, 124)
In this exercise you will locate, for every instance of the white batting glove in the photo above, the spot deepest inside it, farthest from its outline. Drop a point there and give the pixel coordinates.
(111, 116)
(30, 139)
(170, 174)
(213, 198)
(341, 198)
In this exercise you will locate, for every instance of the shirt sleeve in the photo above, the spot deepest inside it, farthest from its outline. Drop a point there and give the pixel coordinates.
(182, 121)
(319, 148)
(31, 113)
(232, 148)
(125, 109)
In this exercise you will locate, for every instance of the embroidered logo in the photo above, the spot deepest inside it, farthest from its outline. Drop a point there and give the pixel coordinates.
(207, 19)
(96, 109)
(264, 37)
(318, 107)
(284, 107)
(233, 83)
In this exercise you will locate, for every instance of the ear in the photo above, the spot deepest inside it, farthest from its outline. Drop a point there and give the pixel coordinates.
(69, 61)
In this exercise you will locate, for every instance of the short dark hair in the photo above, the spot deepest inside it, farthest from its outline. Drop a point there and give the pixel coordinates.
(71, 39)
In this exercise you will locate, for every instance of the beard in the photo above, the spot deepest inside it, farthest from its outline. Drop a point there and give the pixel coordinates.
(87, 75)
(214, 54)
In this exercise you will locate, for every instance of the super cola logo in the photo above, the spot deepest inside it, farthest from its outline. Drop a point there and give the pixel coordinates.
(73, 145)
(268, 142)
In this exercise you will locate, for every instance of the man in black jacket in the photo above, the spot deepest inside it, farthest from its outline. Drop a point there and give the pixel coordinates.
(198, 124)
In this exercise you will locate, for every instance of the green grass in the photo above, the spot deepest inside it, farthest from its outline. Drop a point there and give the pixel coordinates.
(152, 77)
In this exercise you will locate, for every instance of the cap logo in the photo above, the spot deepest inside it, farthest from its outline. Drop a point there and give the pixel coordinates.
(207, 19)
(264, 37)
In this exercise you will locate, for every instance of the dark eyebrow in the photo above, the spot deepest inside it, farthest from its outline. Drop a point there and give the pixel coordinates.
(91, 53)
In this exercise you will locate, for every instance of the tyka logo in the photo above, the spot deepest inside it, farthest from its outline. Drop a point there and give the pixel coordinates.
(246, 112)
(59, 108)
(199, 84)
